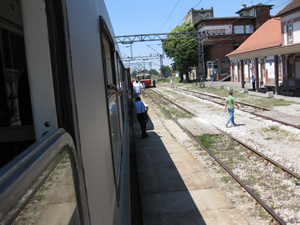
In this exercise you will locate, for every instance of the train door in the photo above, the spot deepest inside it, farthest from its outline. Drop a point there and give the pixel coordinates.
(32, 84)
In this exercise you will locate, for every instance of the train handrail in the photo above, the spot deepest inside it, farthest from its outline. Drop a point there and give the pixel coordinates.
(17, 176)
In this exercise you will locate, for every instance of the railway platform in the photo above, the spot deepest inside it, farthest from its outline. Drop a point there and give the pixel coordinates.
(174, 188)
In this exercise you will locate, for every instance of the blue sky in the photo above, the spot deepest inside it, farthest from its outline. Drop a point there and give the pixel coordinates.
(130, 17)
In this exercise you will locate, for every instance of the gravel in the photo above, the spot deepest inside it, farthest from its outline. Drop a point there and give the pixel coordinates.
(278, 142)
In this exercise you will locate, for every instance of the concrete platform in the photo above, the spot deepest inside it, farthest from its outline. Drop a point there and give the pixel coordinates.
(174, 188)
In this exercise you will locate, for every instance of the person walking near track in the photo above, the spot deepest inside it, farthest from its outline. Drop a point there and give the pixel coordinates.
(229, 104)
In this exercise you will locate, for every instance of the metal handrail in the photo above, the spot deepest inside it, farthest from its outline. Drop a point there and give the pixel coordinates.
(18, 175)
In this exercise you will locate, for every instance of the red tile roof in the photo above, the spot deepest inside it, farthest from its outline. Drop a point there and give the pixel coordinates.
(267, 36)
(293, 5)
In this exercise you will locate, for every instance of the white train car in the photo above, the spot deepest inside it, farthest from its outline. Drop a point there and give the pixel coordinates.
(66, 53)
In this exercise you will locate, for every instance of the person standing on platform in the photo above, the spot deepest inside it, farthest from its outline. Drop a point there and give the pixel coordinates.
(229, 104)
(137, 89)
(141, 110)
(253, 82)
(171, 83)
(154, 83)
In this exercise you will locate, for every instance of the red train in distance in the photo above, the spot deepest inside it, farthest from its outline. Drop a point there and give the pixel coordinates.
(144, 78)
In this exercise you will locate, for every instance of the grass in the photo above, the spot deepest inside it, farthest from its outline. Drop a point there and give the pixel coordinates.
(263, 214)
(247, 98)
(207, 140)
(179, 114)
(39, 197)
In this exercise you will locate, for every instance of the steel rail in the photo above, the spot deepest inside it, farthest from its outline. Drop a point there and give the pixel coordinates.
(254, 113)
(270, 211)
(240, 142)
(218, 97)
(260, 154)
(173, 103)
(222, 98)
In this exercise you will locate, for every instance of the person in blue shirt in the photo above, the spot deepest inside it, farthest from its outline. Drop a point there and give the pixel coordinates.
(141, 110)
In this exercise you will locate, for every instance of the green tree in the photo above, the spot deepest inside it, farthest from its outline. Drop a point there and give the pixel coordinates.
(133, 73)
(153, 71)
(165, 69)
(184, 52)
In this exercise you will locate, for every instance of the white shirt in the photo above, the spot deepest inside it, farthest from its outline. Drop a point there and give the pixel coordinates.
(137, 87)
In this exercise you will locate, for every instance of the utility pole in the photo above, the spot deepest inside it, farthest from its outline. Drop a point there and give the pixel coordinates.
(161, 59)
(200, 59)
(130, 43)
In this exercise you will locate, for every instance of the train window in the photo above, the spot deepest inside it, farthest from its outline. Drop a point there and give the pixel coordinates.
(16, 132)
(108, 62)
(119, 71)
(115, 129)
(114, 105)
(50, 198)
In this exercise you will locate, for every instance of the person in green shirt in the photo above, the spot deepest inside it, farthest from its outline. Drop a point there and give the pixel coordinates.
(229, 104)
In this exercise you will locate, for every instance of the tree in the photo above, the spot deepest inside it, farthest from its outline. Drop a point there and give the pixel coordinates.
(184, 52)
(133, 73)
(165, 69)
(153, 71)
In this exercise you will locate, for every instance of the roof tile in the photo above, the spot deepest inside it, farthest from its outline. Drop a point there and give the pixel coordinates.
(268, 35)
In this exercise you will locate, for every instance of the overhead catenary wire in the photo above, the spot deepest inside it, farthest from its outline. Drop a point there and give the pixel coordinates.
(169, 16)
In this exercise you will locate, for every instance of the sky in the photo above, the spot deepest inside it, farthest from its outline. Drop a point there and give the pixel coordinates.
(131, 17)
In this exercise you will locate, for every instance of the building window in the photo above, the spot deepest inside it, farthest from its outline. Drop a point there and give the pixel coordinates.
(222, 31)
(249, 29)
(239, 29)
(215, 32)
(290, 31)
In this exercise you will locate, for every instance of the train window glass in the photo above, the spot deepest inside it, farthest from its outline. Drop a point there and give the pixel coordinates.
(119, 71)
(114, 106)
(108, 62)
(115, 130)
(120, 75)
(17, 132)
(50, 199)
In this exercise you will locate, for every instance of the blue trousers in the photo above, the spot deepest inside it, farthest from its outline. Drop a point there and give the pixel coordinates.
(212, 80)
(231, 116)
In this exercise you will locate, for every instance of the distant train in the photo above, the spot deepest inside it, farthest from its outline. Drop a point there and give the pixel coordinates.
(59, 63)
(144, 78)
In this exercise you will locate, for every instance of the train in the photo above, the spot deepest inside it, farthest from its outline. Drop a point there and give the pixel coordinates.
(144, 78)
(61, 69)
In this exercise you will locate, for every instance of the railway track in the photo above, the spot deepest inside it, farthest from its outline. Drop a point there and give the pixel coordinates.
(246, 107)
(243, 149)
